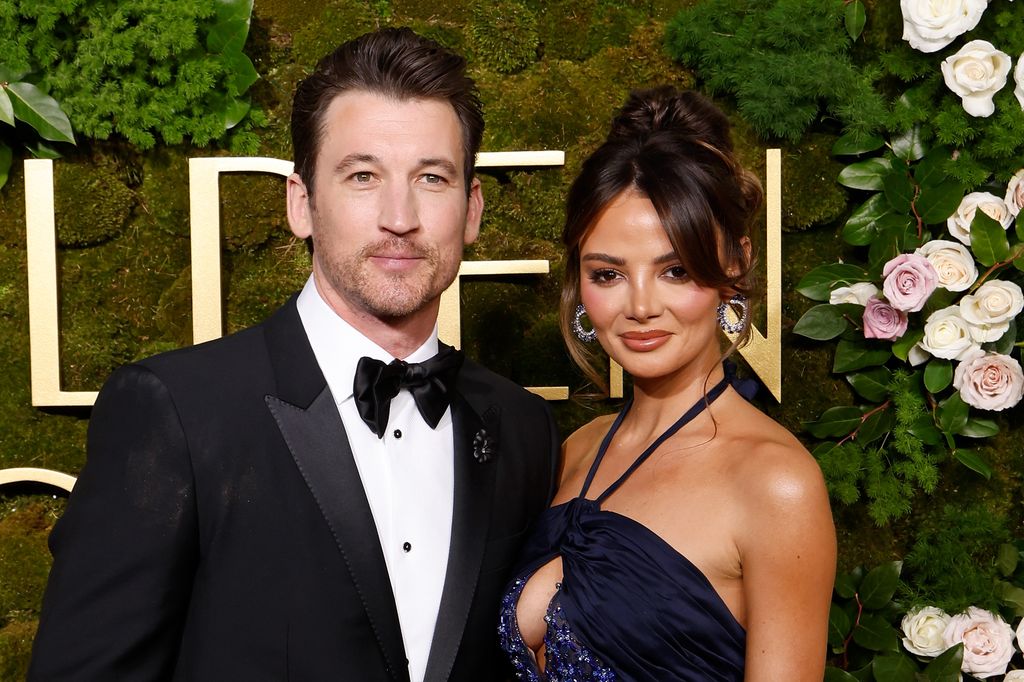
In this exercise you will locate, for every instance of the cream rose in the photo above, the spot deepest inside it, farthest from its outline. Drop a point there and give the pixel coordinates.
(959, 224)
(858, 292)
(1014, 676)
(923, 629)
(976, 73)
(989, 381)
(953, 263)
(1014, 198)
(990, 309)
(930, 25)
(909, 281)
(987, 639)
(947, 335)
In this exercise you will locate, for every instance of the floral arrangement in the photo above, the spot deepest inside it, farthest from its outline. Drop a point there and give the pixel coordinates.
(926, 329)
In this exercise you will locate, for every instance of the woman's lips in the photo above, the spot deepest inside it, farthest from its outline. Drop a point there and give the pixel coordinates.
(644, 341)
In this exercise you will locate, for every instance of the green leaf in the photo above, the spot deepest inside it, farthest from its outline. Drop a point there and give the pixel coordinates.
(953, 413)
(851, 355)
(243, 73)
(861, 227)
(901, 346)
(946, 666)
(909, 146)
(988, 240)
(235, 111)
(819, 282)
(938, 374)
(871, 384)
(852, 144)
(867, 174)
(899, 191)
(835, 422)
(936, 203)
(228, 10)
(979, 428)
(1012, 596)
(837, 675)
(42, 112)
(1007, 559)
(876, 426)
(10, 75)
(40, 150)
(974, 462)
(821, 323)
(839, 625)
(6, 158)
(879, 585)
(924, 430)
(847, 584)
(226, 34)
(6, 108)
(894, 668)
(874, 633)
(931, 170)
(855, 17)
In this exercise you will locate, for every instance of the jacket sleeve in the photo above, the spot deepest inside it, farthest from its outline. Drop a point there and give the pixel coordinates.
(125, 549)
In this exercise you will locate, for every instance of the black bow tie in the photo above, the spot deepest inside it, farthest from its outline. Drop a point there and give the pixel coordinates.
(431, 384)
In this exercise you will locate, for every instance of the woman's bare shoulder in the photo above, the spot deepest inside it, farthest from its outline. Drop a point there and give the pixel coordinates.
(582, 444)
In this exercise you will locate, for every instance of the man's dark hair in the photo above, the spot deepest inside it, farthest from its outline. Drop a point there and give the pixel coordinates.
(393, 62)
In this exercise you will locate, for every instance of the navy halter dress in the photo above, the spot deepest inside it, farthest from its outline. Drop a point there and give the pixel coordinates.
(629, 607)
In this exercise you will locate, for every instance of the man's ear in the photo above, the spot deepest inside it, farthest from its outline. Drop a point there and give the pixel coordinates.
(474, 212)
(300, 218)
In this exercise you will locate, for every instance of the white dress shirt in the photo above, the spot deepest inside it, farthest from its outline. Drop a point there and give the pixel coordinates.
(408, 475)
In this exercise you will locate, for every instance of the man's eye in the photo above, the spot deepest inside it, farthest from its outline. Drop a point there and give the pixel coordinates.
(432, 179)
(362, 177)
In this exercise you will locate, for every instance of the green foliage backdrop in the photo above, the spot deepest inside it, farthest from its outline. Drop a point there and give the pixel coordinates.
(551, 75)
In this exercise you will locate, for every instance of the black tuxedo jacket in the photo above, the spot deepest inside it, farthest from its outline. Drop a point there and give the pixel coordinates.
(219, 529)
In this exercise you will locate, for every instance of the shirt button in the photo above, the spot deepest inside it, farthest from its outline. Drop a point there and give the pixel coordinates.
(398, 433)
(406, 547)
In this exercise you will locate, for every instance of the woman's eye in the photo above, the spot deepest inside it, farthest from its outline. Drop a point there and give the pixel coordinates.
(603, 276)
(676, 272)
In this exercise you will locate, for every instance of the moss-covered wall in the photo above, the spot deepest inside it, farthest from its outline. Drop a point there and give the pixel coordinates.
(551, 74)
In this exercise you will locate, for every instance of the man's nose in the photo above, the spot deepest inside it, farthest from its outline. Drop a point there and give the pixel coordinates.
(399, 211)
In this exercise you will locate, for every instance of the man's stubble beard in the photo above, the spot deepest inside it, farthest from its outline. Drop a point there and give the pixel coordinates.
(383, 295)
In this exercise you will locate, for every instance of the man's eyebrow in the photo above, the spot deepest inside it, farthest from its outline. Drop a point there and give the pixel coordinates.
(443, 164)
(604, 258)
(354, 159)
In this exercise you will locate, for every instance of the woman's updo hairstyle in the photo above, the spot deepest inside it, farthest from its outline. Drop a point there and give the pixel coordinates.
(673, 148)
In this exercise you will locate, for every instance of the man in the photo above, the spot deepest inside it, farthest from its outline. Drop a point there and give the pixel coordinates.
(255, 508)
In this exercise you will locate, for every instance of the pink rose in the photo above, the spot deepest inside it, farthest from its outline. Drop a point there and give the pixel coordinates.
(882, 321)
(987, 639)
(909, 280)
(989, 381)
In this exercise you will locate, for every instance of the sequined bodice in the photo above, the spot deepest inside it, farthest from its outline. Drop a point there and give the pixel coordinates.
(629, 607)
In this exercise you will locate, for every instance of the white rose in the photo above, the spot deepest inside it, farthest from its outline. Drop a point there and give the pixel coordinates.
(947, 335)
(858, 292)
(953, 263)
(1014, 676)
(987, 639)
(990, 309)
(1014, 199)
(989, 381)
(917, 355)
(1020, 634)
(930, 25)
(1018, 78)
(976, 73)
(959, 224)
(923, 630)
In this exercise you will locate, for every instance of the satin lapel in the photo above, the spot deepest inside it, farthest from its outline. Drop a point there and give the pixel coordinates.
(471, 515)
(319, 445)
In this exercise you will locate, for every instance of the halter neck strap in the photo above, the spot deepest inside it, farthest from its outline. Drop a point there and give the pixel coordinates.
(690, 414)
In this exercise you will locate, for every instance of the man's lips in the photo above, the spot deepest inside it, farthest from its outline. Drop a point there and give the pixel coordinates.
(645, 340)
(396, 261)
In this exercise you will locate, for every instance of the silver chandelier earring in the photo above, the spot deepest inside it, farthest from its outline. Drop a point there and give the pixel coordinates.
(738, 301)
(584, 335)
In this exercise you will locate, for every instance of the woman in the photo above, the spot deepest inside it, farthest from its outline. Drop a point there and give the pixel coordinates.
(691, 537)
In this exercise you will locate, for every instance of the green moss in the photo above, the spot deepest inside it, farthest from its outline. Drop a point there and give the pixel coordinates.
(261, 282)
(810, 194)
(24, 558)
(12, 209)
(503, 35)
(337, 23)
(576, 30)
(15, 649)
(163, 193)
(92, 204)
(252, 209)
